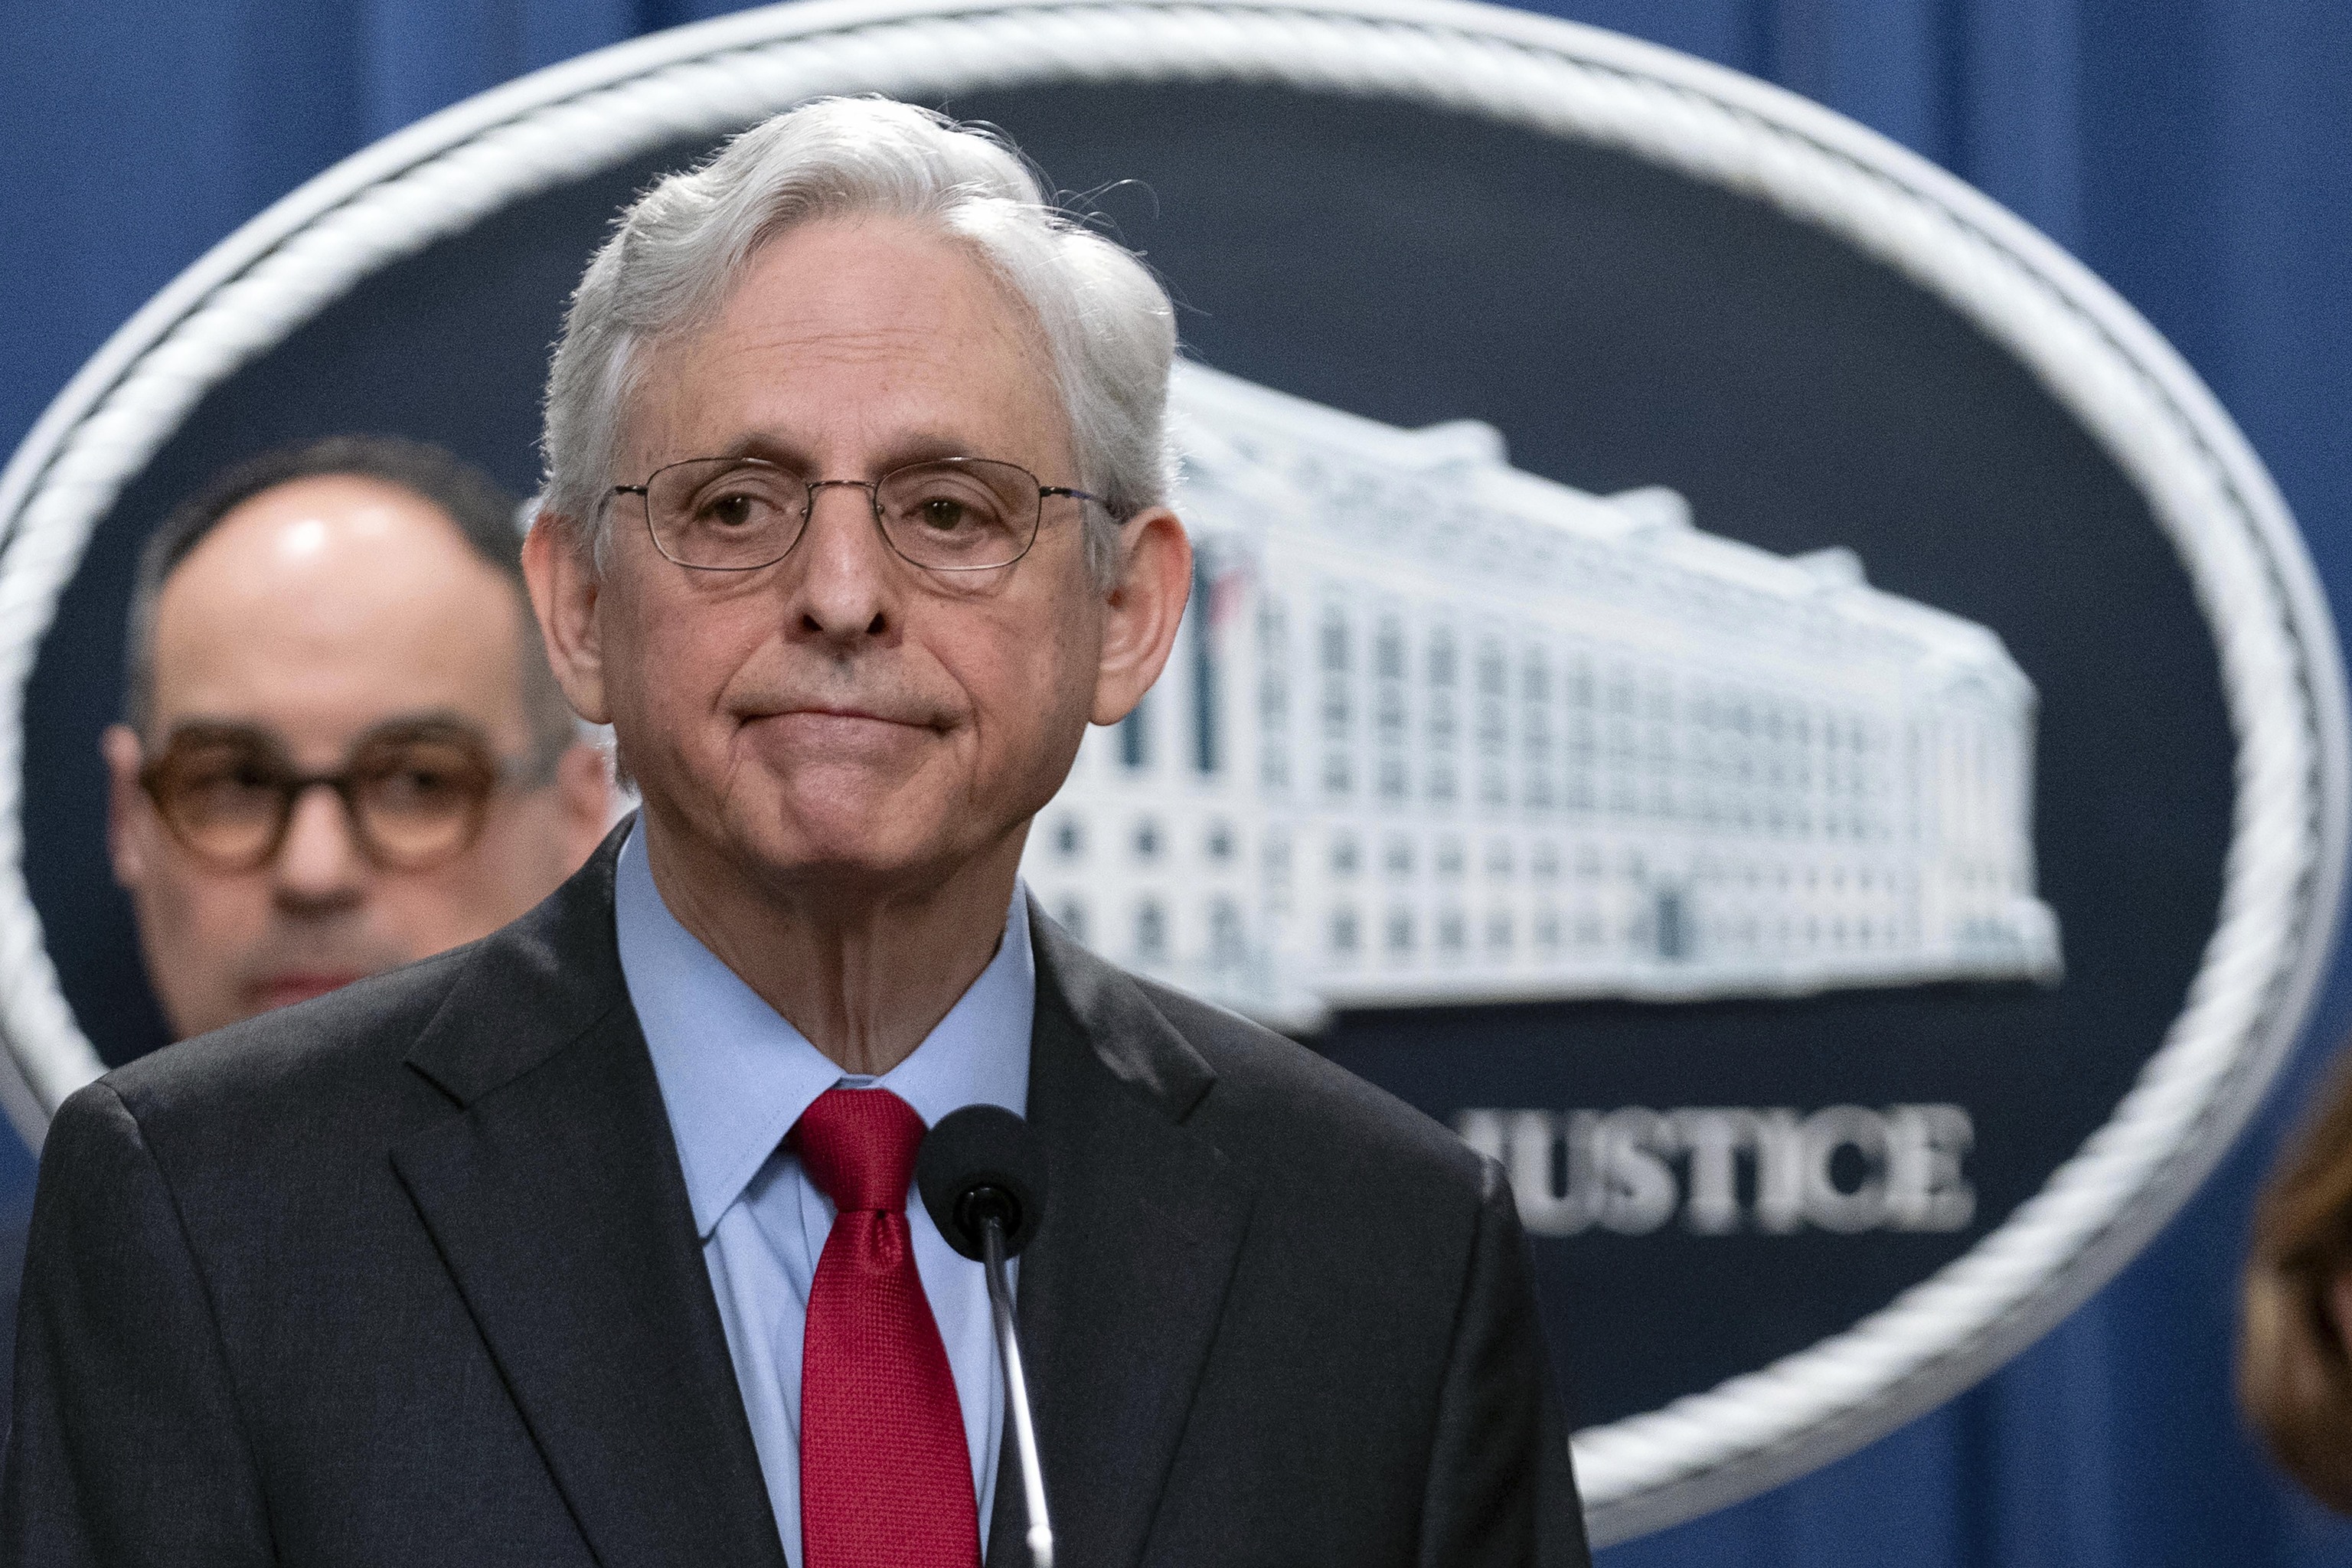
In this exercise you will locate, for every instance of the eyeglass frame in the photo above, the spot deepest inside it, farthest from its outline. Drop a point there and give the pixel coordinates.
(530, 772)
(872, 489)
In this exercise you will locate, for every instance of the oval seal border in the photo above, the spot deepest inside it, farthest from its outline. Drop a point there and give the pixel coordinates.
(2281, 673)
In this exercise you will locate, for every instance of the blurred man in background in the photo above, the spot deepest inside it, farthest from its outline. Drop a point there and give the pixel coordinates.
(344, 750)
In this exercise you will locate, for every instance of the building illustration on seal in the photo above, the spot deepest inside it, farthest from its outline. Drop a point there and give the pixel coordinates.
(1437, 730)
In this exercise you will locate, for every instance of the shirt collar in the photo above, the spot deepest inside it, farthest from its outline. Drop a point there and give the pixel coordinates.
(735, 1076)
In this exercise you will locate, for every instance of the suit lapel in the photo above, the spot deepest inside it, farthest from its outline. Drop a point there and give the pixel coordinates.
(1120, 1291)
(553, 1192)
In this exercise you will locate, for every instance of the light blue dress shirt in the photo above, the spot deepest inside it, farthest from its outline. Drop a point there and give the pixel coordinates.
(734, 1078)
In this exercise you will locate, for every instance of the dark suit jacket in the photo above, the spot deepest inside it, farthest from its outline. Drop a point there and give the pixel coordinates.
(407, 1276)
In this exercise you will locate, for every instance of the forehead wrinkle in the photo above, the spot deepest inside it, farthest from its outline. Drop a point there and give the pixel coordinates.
(650, 424)
(881, 343)
(854, 343)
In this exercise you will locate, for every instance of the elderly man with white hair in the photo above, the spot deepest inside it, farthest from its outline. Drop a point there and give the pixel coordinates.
(592, 1242)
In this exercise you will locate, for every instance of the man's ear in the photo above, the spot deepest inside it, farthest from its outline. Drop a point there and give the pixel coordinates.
(563, 589)
(1142, 611)
(124, 800)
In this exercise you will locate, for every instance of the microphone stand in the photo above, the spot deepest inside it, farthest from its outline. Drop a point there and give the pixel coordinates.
(1016, 1394)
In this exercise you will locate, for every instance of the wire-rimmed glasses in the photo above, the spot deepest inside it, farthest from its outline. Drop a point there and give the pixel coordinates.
(738, 514)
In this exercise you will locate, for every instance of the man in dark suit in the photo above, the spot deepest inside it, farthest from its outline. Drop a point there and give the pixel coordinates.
(589, 1243)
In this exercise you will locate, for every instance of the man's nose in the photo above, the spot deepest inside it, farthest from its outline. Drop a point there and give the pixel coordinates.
(320, 866)
(847, 570)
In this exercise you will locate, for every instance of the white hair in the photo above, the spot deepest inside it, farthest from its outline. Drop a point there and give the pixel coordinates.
(678, 250)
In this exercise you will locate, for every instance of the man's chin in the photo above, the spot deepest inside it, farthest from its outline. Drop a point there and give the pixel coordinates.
(833, 826)
(872, 855)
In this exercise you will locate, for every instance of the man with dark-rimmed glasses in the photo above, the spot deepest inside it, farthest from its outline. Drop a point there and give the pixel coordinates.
(344, 750)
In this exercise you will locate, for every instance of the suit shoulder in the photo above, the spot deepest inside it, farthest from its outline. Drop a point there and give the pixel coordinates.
(1296, 1103)
(329, 1046)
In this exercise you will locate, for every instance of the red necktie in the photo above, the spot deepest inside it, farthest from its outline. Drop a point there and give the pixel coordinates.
(885, 1477)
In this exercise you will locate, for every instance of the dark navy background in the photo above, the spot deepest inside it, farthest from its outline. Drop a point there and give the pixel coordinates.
(2194, 152)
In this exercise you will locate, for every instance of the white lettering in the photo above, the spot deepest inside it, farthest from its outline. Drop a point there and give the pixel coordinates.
(1561, 1193)
(1483, 1130)
(1639, 1195)
(1827, 1205)
(1780, 1172)
(1925, 1189)
(1557, 1188)
(1845, 1169)
(1714, 1138)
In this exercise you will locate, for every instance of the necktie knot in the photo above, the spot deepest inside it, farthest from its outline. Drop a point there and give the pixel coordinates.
(858, 1146)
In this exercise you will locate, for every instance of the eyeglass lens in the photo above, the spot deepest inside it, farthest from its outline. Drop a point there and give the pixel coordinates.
(416, 795)
(734, 514)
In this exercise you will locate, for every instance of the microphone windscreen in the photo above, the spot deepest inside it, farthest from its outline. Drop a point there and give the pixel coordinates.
(977, 1147)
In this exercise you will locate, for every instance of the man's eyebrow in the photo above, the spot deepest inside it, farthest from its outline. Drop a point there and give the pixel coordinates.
(248, 729)
(423, 719)
(207, 724)
(926, 446)
(767, 449)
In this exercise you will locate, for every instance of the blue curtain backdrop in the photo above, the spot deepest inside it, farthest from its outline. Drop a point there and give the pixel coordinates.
(2197, 154)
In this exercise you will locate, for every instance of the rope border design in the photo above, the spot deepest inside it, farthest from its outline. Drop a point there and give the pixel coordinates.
(2282, 674)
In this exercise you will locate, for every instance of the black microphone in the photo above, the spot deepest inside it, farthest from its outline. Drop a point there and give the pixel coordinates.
(979, 1164)
(982, 1176)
